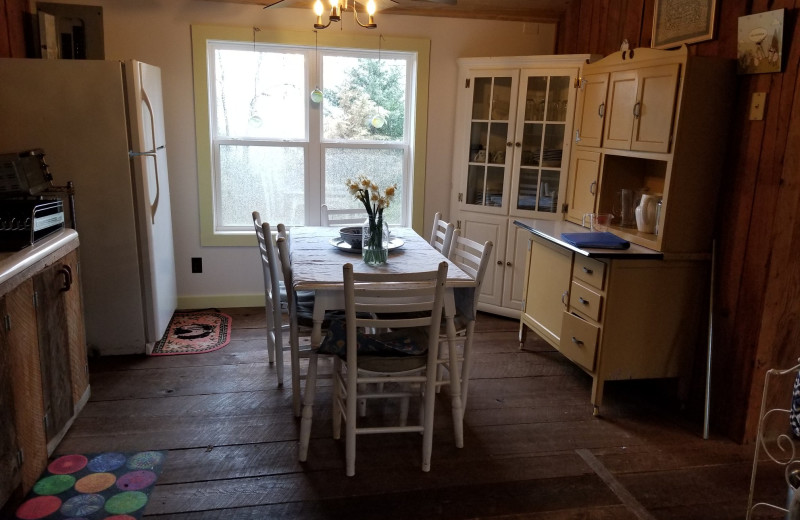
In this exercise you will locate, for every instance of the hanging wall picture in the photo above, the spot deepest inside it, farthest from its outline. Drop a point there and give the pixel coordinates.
(676, 22)
(760, 42)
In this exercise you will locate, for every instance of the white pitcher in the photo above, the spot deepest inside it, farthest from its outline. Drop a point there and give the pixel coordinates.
(646, 214)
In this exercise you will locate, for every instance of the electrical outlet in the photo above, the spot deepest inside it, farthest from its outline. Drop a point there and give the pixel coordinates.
(197, 265)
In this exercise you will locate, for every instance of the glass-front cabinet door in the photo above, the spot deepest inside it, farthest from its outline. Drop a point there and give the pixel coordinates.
(491, 127)
(542, 142)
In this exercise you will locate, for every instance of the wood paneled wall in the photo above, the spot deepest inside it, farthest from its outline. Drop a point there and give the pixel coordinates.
(12, 28)
(757, 270)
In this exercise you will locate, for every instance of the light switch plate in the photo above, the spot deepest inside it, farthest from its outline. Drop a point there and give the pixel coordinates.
(757, 103)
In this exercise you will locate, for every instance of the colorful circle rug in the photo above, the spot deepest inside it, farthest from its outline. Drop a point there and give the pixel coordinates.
(194, 332)
(104, 485)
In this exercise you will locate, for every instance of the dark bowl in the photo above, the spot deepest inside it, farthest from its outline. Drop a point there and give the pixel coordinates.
(351, 235)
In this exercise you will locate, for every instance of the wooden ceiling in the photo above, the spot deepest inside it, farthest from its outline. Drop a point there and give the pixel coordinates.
(519, 10)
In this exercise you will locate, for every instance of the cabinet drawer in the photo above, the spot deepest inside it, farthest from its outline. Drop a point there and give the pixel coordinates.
(579, 340)
(589, 270)
(585, 301)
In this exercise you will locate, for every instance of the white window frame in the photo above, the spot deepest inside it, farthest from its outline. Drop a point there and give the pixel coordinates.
(416, 126)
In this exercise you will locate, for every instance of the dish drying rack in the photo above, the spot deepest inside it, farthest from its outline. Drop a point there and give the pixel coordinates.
(781, 450)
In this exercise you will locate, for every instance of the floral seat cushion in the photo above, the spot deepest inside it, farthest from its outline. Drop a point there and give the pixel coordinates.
(402, 342)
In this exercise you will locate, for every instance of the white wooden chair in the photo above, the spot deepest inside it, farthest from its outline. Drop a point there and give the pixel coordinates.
(442, 234)
(384, 313)
(472, 258)
(343, 217)
(301, 309)
(272, 294)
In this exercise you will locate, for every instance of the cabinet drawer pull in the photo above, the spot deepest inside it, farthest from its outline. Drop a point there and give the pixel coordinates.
(592, 187)
(67, 272)
(576, 341)
(601, 110)
(563, 296)
(587, 270)
(499, 262)
(508, 264)
(637, 110)
(585, 302)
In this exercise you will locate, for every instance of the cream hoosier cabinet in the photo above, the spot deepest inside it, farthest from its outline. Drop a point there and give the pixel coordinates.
(512, 147)
(647, 148)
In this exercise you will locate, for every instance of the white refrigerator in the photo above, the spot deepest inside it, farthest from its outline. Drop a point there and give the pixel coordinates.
(101, 126)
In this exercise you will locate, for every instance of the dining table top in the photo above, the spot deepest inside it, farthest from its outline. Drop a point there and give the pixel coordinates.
(317, 262)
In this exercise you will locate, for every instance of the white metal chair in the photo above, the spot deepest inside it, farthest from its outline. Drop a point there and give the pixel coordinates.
(343, 217)
(442, 234)
(472, 258)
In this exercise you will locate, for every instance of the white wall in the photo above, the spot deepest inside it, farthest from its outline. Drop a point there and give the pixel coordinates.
(159, 32)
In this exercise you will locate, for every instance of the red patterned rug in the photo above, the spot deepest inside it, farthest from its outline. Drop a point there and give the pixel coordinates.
(194, 332)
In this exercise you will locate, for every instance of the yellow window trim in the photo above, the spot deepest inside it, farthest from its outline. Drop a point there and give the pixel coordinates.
(201, 34)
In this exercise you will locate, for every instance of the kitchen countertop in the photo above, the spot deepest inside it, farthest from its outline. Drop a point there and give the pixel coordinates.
(551, 230)
(41, 254)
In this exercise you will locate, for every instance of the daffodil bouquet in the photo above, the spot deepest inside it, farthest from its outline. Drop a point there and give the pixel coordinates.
(368, 192)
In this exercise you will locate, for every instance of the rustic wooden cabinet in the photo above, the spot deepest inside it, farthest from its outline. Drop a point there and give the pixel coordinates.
(45, 354)
(511, 155)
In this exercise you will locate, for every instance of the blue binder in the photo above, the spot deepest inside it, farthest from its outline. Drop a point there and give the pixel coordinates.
(595, 239)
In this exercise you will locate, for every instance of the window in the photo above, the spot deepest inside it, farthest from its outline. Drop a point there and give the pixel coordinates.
(272, 149)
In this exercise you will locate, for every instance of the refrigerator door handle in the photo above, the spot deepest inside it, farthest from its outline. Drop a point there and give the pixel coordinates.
(154, 205)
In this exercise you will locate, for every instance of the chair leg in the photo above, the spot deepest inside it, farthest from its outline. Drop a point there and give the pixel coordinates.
(337, 397)
(270, 340)
(294, 345)
(466, 366)
(455, 386)
(427, 424)
(351, 410)
(308, 406)
(279, 368)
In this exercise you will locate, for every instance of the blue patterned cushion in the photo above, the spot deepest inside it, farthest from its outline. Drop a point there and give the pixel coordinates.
(402, 342)
(794, 414)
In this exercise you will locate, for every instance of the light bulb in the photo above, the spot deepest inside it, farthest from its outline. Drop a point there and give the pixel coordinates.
(318, 7)
(316, 95)
(371, 7)
(378, 121)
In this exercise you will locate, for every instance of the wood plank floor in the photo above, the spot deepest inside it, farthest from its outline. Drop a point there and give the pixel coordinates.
(532, 449)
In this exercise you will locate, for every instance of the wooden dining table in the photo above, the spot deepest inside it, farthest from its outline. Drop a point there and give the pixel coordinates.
(317, 266)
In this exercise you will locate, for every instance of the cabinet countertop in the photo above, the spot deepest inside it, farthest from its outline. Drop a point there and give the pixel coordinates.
(551, 230)
(12, 264)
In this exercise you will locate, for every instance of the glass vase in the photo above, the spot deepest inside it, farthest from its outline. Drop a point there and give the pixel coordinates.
(375, 241)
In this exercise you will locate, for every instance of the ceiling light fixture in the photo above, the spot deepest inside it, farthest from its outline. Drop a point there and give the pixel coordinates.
(340, 6)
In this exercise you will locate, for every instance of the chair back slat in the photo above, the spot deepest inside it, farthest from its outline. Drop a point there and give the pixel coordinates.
(442, 234)
(342, 217)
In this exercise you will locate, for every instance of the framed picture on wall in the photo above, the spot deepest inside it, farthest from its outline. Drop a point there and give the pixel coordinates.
(676, 22)
(760, 47)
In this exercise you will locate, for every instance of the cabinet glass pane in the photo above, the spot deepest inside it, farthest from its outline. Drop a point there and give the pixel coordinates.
(475, 184)
(528, 187)
(535, 98)
(532, 144)
(479, 135)
(553, 145)
(494, 185)
(548, 189)
(481, 96)
(497, 143)
(501, 99)
(557, 96)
